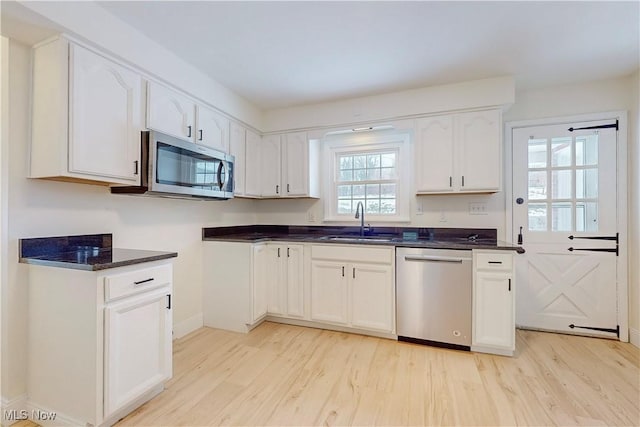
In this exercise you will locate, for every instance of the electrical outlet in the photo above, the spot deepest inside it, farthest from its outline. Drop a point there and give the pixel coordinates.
(311, 217)
(443, 216)
(419, 210)
(478, 209)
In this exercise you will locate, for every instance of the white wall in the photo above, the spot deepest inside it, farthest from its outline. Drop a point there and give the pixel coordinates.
(634, 210)
(39, 208)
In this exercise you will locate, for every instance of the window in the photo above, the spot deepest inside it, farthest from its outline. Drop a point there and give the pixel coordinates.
(366, 170)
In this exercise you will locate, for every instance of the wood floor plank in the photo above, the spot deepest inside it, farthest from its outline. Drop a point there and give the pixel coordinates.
(289, 375)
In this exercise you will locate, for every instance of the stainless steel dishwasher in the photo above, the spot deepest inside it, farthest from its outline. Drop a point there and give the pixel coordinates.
(433, 288)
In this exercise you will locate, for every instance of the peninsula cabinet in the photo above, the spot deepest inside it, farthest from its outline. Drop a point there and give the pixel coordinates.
(234, 285)
(459, 153)
(353, 286)
(290, 166)
(178, 115)
(493, 302)
(86, 116)
(100, 341)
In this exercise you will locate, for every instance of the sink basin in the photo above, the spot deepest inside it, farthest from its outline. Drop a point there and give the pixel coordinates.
(358, 238)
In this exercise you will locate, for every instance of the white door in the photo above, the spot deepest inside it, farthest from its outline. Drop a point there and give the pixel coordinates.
(372, 298)
(252, 165)
(105, 119)
(213, 129)
(493, 320)
(564, 206)
(170, 112)
(271, 166)
(295, 170)
(137, 347)
(276, 279)
(295, 280)
(478, 143)
(329, 297)
(259, 282)
(434, 154)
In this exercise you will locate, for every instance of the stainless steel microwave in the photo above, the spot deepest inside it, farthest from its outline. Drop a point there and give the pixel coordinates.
(172, 167)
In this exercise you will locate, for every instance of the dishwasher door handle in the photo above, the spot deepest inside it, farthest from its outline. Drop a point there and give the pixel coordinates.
(435, 259)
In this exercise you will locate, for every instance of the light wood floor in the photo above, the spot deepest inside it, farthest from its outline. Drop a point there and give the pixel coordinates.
(288, 375)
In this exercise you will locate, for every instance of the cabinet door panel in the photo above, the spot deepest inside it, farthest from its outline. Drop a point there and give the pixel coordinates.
(105, 116)
(276, 279)
(372, 297)
(295, 172)
(253, 179)
(434, 154)
(213, 129)
(493, 309)
(237, 149)
(170, 112)
(271, 166)
(137, 348)
(329, 297)
(259, 282)
(479, 143)
(295, 281)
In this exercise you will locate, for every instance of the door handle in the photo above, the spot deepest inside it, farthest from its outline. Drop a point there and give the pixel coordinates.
(509, 285)
(200, 138)
(169, 301)
(189, 130)
(142, 282)
(135, 164)
(520, 236)
(435, 259)
(354, 272)
(343, 271)
(616, 237)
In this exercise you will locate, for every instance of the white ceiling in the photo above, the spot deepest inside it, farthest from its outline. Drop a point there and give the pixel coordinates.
(278, 54)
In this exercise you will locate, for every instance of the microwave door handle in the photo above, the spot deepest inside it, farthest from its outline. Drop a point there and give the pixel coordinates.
(220, 169)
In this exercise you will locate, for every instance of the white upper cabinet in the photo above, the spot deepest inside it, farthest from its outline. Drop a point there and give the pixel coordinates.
(86, 117)
(271, 166)
(459, 153)
(237, 148)
(253, 165)
(290, 166)
(170, 112)
(212, 129)
(177, 115)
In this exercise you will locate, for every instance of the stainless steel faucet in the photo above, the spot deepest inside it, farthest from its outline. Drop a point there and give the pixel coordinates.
(360, 207)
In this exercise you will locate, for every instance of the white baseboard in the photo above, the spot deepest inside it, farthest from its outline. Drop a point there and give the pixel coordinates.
(187, 326)
(634, 337)
(14, 410)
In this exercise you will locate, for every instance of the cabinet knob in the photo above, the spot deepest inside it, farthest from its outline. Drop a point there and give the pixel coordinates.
(201, 133)
(189, 131)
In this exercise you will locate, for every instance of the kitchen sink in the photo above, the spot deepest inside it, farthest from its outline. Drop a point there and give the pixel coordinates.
(358, 238)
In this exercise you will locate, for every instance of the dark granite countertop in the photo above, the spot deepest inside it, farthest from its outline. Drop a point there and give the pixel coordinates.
(87, 252)
(408, 237)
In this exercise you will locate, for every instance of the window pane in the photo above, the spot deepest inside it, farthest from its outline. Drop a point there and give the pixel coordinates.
(537, 153)
(373, 190)
(344, 206)
(358, 192)
(346, 175)
(561, 184)
(561, 217)
(360, 175)
(538, 217)
(346, 162)
(373, 161)
(561, 151)
(388, 190)
(537, 185)
(388, 160)
(387, 173)
(587, 216)
(373, 206)
(388, 206)
(587, 183)
(373, 174)
(359, 162)
(587, 150)
(344, 192)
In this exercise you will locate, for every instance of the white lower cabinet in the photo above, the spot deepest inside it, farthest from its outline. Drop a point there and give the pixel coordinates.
(493, 303)
(353, 286)
(100, 342)
(285, 280)
(235, 284)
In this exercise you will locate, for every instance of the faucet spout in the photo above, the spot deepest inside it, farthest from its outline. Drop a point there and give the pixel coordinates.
(360, 208)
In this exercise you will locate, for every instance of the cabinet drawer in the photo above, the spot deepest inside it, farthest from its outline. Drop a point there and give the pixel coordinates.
(133, 282)
(353, 253)
(494, 261)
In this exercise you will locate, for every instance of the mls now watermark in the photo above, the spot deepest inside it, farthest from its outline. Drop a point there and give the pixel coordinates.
(23, 414)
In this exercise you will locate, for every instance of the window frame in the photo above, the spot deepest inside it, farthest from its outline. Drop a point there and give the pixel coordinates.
(335, 145)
